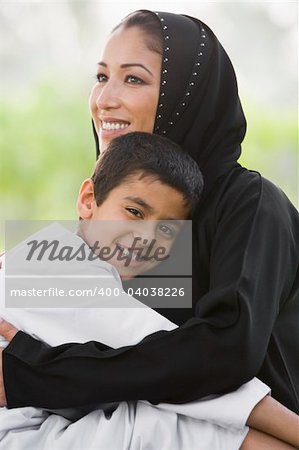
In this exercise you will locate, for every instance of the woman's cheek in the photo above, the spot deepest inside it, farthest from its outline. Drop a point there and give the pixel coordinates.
(92, 100)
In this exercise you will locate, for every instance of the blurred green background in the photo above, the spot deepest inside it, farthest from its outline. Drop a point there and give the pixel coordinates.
(48, 55)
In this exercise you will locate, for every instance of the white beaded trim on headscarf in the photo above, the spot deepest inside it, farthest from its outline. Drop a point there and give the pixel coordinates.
(194, 77)
(164, 72)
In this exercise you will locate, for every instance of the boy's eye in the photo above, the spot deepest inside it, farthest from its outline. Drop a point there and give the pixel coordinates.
(131, 79)
(135, 212)
(167, 230)
(101, 77)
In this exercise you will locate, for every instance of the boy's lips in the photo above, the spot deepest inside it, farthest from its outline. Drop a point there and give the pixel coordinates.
(134, 255)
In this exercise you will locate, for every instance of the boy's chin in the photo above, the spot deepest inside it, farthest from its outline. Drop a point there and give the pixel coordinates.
(127, 273)
(127, 277)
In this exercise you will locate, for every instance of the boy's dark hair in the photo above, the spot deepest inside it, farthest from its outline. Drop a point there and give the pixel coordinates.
(152, 155)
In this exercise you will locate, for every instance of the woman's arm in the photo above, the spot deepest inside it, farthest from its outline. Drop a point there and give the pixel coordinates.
(268, 416)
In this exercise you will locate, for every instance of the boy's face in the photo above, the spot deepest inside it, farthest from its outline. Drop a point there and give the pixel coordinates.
(142, 216)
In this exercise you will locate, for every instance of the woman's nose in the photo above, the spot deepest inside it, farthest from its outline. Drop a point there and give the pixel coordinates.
(108, 96)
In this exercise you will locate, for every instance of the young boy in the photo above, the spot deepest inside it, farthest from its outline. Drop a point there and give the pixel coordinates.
(131, 211)
(142, 188)
(145, 186)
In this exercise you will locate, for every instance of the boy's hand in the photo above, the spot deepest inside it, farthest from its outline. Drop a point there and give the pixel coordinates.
(8, 331)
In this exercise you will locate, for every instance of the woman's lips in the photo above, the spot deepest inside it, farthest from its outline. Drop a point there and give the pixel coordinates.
(113, 127)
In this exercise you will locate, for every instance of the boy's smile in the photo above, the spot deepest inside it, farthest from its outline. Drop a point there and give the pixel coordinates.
(138, 221)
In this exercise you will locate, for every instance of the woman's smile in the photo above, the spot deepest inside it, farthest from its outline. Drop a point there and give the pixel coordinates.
(111, 127)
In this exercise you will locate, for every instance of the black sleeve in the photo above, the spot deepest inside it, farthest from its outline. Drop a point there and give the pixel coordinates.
(221, 348)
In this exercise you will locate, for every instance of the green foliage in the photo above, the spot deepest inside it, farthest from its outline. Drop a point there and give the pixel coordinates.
(48, 151)
(271, 146)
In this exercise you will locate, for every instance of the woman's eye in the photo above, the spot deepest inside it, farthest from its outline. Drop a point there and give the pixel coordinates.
(101, 77)
(135, 212)
(167, 230)
(134, 80)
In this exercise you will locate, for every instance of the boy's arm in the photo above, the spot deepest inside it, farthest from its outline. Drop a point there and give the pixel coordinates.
(271, 417)
(258, 440)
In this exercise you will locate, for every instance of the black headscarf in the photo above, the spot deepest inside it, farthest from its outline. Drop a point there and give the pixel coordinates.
(199, 107)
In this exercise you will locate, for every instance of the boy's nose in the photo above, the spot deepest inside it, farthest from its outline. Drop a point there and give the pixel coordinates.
(145, 232)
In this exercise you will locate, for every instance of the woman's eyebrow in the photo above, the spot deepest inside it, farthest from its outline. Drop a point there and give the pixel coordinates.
(125, 66)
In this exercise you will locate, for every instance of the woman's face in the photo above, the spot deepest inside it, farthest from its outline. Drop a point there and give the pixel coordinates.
(125, 97)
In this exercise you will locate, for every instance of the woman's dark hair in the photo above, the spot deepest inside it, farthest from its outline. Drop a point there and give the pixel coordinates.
(150, 155)
(149, 24)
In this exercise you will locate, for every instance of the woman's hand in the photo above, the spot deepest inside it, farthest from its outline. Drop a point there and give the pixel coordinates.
(8, 331)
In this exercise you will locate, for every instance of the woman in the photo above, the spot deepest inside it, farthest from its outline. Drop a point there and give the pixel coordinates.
(168, 74)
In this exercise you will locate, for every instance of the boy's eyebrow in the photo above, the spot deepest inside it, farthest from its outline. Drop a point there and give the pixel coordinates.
(125, 66)
(140, 202)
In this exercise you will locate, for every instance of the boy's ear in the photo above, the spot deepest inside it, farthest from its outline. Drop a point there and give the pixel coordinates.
(86, 200)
